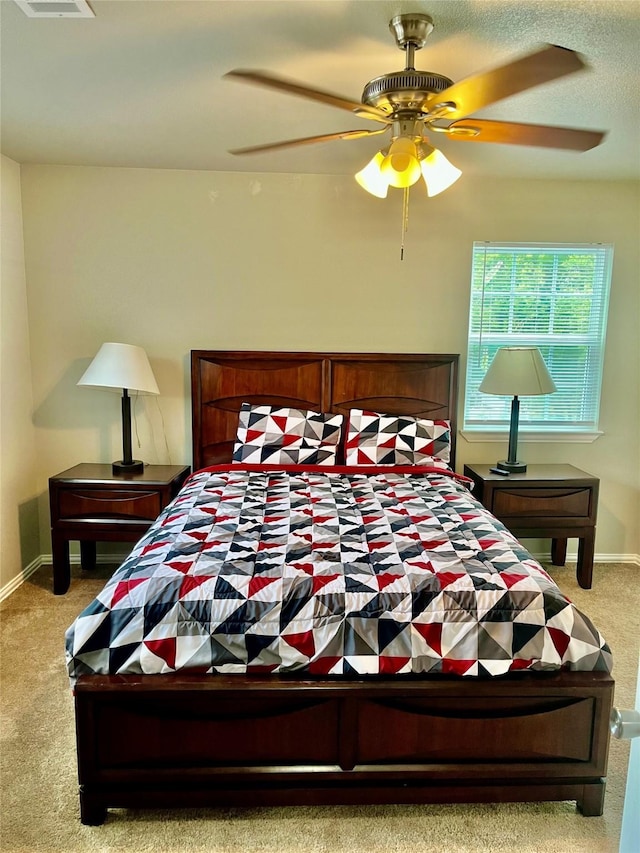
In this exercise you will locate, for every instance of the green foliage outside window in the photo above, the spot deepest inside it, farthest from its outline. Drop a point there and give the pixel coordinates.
(550, 296)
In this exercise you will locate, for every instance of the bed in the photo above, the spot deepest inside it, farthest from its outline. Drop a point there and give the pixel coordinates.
(341, 729)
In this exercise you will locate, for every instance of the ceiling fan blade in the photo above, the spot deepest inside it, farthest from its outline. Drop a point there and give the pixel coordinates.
(510, 133)
(260, 78)
(475, 92)
(306, 140)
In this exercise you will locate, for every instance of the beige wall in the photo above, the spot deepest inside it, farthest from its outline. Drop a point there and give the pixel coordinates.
(174, 261)
(19, 537)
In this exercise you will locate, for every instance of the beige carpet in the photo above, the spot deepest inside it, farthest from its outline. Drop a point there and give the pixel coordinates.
(39, 804)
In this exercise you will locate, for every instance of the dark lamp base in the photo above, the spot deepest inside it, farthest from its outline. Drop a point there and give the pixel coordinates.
(512, 467)
(133, 467)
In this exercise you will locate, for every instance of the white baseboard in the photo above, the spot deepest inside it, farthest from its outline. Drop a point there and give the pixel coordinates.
(633, 559)
(19, 579)
(106, 559)
(46, 560)
(101, 559)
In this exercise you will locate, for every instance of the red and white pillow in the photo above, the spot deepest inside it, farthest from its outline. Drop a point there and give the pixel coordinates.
(285, 436)
(378, 439)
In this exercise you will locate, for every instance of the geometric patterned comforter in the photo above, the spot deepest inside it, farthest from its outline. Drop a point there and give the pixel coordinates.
(330, 571)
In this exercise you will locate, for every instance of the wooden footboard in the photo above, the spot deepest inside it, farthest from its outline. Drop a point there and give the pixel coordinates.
(180, 740)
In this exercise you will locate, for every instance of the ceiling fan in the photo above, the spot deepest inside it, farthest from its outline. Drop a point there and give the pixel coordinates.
(411, 103)
(422, 99)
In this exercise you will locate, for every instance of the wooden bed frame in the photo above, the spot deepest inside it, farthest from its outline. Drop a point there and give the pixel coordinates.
(196, 740)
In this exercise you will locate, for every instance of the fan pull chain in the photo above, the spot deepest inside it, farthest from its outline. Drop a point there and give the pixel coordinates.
(405, 220)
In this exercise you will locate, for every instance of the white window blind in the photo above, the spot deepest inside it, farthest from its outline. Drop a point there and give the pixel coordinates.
(552, 296)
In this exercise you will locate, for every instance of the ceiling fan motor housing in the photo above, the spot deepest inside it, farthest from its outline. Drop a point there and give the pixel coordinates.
(404, 90)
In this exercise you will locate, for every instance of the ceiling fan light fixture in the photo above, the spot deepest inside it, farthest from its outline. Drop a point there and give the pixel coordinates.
(401, 166)
(371, 177)
(411, 103)
(438, 173)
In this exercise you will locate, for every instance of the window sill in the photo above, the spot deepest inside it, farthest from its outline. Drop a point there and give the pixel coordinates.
(478, 436)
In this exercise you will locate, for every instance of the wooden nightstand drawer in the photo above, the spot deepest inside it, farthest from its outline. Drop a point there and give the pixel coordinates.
(565, 503)
(109, 503)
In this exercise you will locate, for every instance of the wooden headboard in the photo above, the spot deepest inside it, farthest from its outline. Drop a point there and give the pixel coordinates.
(394, 383)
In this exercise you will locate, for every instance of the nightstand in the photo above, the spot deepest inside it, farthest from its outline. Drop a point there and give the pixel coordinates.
(557, 501)
(91, 504)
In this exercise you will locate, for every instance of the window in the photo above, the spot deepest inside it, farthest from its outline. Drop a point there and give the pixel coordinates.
(551, 296)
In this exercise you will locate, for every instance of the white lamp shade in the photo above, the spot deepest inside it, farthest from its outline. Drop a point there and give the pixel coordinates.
(119, 366)
(519, 372)
(371, 178)
(401, 166)
(438, 173)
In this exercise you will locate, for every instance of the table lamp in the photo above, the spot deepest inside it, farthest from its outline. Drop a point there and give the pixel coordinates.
(521, 372)
(122, 367)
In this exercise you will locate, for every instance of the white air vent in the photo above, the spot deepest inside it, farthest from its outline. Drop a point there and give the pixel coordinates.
(56, 8)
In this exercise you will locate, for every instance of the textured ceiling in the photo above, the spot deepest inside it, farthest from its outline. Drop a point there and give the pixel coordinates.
(140, 85)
